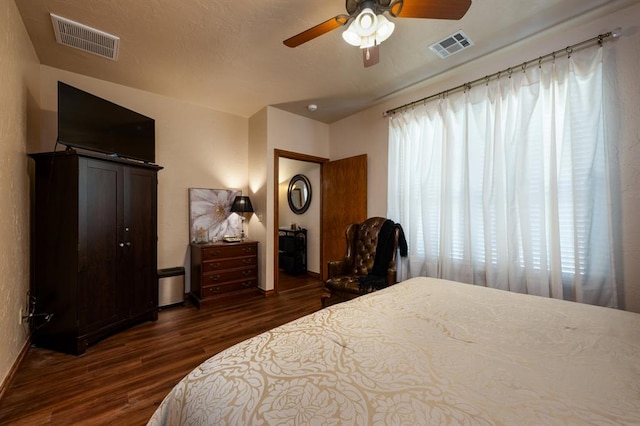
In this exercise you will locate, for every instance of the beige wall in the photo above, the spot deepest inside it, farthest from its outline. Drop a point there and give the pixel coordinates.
(367, 132)
(18, 100)
(259, 184)
(277, 129)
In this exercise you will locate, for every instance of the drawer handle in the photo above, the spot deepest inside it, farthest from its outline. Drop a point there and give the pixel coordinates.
(215, 265)
(216, 289)
(247, 284)
(214, 277)
(247, 273)
(247, 261)
(247, 249)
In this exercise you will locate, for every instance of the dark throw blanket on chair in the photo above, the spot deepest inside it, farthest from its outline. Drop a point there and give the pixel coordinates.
(377, 277)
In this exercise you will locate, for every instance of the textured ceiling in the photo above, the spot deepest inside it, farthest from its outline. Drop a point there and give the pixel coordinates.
(228, 54)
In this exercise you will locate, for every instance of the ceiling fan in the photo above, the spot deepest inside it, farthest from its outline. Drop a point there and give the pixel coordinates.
(369, 27)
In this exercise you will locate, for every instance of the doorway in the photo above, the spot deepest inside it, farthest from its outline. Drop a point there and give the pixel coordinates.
(341, 198)
(288, 164)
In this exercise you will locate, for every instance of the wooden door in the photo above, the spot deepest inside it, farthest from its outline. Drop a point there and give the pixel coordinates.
(344, 201)
(140, 240)
(100, 295)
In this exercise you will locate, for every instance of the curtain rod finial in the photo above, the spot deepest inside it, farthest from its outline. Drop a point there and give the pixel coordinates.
(617, 32)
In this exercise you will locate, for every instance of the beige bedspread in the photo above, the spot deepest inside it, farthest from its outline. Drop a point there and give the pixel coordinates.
(425, 352)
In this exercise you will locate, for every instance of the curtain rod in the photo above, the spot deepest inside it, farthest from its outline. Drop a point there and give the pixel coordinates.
(545, 58)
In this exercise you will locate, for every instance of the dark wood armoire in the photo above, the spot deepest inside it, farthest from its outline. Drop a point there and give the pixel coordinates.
(94, 248)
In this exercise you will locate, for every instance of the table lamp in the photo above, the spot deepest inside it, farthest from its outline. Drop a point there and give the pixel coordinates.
(242, 205)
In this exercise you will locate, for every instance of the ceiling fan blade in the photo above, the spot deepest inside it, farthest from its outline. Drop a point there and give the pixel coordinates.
(371, 56)
(430, 9)
(318, 30)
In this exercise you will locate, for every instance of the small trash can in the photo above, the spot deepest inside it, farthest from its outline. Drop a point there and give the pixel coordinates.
(170, 286)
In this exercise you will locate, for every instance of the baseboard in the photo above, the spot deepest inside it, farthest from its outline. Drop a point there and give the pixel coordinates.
(267, 293)
(6, 384)
(314, 275)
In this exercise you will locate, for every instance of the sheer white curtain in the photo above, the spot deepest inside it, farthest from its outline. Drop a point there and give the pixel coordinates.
(506, 184)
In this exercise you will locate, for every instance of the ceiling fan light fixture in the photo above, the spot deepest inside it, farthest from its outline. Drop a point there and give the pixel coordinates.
(351, 36)
(368, 25)
(366, 22)
(385, 29)
(367, 42)
(368, 29)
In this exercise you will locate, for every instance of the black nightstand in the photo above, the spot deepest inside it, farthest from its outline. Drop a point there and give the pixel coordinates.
(292, 247)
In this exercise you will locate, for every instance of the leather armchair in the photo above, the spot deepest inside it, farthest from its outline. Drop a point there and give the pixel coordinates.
(344, 275)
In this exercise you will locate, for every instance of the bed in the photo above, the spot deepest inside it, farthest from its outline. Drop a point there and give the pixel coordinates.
(424, 352)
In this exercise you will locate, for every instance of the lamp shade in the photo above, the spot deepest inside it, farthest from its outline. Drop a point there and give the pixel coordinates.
(242, 204)
(385, 29)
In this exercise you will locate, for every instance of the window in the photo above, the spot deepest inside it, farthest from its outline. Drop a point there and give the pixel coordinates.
(506, 184)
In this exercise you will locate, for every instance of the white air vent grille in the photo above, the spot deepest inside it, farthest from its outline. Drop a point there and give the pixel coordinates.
(451, 44)
(79, 36)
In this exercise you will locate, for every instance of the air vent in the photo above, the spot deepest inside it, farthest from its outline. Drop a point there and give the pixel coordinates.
(452, 44)
(79, 36)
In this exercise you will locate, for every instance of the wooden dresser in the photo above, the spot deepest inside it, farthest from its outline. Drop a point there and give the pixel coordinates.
(223, 271)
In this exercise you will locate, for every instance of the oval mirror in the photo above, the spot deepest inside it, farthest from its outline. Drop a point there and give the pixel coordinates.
(299, 194)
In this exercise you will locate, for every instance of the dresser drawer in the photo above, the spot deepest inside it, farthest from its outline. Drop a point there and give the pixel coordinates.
(228, 288)
(219, 264)
(216, 278)
(221, 252)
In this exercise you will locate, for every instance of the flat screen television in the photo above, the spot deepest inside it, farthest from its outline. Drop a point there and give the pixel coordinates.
(88, 122)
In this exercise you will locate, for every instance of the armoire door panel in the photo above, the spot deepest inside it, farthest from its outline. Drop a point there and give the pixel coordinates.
(100, 292)
(140, 238)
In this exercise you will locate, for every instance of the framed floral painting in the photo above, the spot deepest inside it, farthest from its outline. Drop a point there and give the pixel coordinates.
(210, 216)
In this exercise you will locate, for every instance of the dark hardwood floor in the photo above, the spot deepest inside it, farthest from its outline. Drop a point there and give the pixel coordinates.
(122, 379)
(288, 282)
